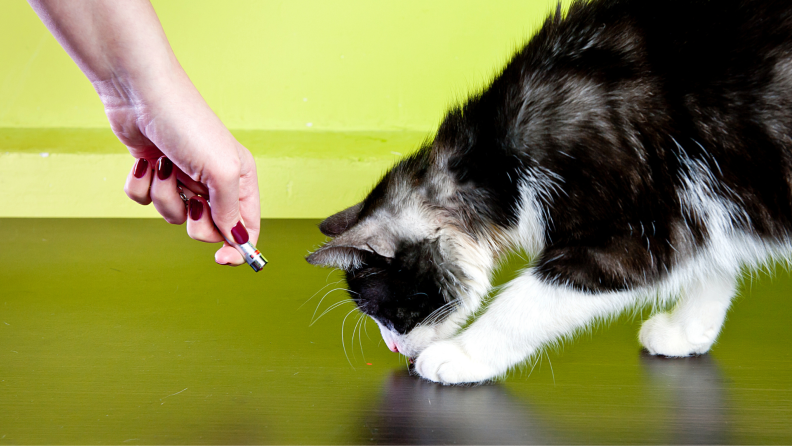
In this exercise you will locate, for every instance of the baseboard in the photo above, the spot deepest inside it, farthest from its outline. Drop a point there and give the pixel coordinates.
(81, 172)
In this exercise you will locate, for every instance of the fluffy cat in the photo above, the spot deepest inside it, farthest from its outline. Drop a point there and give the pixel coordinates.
(639, 150)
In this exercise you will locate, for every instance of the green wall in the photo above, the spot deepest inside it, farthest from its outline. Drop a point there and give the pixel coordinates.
(343, 65)
(327, 95)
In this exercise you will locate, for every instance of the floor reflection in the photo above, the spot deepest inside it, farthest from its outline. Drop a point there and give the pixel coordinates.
(687, 395)
(415, 411)
(692, 390)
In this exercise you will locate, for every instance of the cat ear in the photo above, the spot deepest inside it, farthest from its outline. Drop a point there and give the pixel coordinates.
(337, 224)
(342, 257)
(348, 250)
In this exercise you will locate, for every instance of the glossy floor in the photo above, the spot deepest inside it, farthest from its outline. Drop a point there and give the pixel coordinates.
(125, 332)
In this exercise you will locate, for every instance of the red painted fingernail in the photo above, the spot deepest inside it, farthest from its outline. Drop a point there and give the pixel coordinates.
(141, 167)
(240, 233)
(196, 208)
(164, 168)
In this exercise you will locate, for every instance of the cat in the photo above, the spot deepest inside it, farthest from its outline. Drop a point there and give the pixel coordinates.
(638, 150)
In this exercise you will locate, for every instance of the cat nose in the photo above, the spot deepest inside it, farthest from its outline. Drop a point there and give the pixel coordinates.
(394, 348)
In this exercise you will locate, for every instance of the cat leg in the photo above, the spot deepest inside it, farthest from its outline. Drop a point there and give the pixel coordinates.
(695, 322)
(526, 315)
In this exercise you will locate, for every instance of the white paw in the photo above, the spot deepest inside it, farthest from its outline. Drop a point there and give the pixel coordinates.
(660, 335)
(447, 362)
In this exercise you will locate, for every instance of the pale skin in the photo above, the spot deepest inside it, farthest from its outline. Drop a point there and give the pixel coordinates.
(156, 111)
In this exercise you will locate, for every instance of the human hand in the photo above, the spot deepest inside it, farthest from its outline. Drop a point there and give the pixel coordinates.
(155, 110)
(179, 141)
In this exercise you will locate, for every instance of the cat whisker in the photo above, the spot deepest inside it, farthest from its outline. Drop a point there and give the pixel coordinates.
(449, 308)
(535, 362)
(440, 312)
(319, 291)
(331, 272)
(329, 309)
(343, 344)
(323, 298)
(361, 322)
(354, 330)
(365, 327)
(551, 365)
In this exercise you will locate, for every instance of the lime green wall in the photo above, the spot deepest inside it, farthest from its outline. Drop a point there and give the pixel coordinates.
(326, 95)
(341, 65)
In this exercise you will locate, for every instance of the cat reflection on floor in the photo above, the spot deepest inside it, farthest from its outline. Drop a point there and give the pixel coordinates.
(638, 150)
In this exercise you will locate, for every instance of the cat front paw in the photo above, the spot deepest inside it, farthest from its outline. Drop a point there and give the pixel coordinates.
(447, 362)
(660, 335)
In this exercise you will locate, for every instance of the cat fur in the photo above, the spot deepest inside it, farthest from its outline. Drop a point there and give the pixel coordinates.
(639, 151)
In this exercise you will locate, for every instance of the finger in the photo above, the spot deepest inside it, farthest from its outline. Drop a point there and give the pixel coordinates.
(228, 255)
(138, 182)
(199, 220)
(165, 195)
(188, 183)
(201, 227)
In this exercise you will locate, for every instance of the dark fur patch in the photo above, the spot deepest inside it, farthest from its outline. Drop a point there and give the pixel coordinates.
(400, 292)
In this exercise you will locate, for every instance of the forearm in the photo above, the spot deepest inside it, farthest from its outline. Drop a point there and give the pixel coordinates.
(157, 113)
(118, 44)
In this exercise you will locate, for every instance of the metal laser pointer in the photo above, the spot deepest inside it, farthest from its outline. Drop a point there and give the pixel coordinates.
(252, 255)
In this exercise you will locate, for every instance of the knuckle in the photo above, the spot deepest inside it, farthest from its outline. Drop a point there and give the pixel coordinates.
(222, 179)
(224, 173)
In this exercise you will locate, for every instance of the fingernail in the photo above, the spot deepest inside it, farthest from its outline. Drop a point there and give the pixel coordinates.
(240, 233)
(164, 168)
(141, 167)
(196, 208)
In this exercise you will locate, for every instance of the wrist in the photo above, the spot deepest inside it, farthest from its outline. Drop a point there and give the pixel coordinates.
(122, 87)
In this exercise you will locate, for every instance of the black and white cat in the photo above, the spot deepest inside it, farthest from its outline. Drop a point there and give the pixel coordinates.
(640, 150)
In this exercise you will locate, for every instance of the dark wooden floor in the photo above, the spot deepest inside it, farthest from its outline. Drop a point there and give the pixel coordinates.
(125, 332)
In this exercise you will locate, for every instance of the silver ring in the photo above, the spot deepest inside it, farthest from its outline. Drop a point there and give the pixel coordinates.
(183, 197)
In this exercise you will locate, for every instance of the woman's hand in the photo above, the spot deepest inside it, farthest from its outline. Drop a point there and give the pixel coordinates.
(179, 142)
(156, 112)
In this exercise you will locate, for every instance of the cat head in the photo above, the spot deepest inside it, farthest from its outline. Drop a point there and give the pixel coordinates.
(409, 263)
